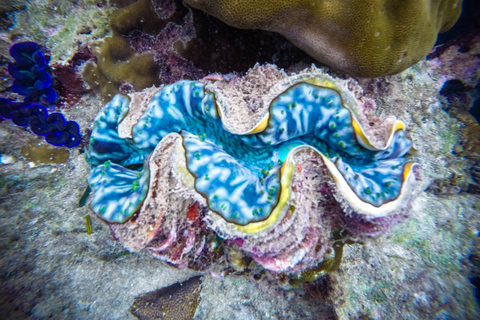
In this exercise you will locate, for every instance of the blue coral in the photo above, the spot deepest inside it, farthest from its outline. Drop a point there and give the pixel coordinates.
(31, 74)
(56, 130)
(239, 175)
(33, 81)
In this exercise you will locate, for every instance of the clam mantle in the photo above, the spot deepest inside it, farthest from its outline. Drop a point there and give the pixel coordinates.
(238, 180)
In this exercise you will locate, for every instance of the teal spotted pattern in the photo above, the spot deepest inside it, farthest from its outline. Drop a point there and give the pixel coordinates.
(239, 174)
(105, 144)
(117, 191)
(228, 184)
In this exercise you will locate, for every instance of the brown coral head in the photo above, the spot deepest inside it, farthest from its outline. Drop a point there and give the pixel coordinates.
(364, 38)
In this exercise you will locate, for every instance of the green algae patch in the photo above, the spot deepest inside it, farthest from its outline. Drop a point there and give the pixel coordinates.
(432, 236)
(44, 153)
(61, 25)
(88, 225)
(328, 265)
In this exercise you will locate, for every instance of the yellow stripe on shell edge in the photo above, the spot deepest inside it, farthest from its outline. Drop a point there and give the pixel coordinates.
(350, 196)
(281, 207)
(363, 140)
(365, 208)
(261, 126)
(407, 169)
(322, 83)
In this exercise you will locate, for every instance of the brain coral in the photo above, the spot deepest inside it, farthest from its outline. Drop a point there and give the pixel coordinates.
(364, 38)
(187, 172)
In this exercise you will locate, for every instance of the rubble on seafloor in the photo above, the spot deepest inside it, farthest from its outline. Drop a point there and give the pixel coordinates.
(424, 267)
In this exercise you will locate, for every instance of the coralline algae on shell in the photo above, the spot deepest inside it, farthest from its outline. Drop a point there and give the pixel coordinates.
(182, 169)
